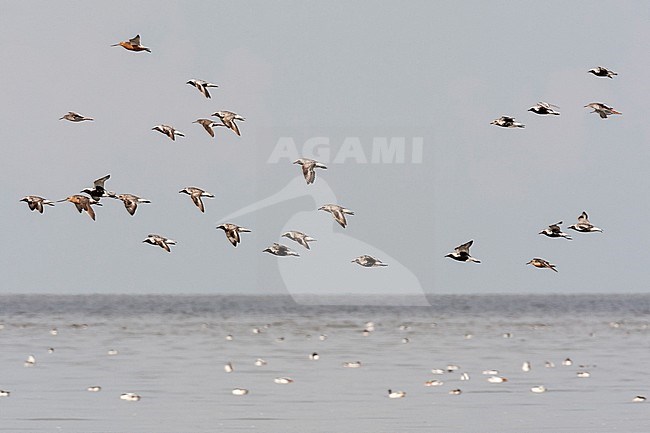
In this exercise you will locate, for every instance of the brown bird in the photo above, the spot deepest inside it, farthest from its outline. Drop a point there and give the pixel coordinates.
(75, 117)
(208, 125)
(308, 166)
(338, 212)
(541, 263)
(169, 131)
(132, 45)
(36, 203)
(82, 203)
(228, 118)
(161, 241)
(202, 86)
(131, 202)
(196, 194)
(232, 232)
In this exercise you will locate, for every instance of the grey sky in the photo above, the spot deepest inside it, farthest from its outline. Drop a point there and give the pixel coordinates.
(441, 71)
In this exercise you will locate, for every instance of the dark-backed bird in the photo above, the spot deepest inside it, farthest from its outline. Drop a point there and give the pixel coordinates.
(308, 166)
(368, 261)
(36, 203)
(202, 86)
(602, 109)
(554, 231)
(132, 44)
(232, 232)
(541, 263)
(280, 250)
(228, 119)
(299, 237)
(338, 212)
(98, 191)
(461, 253)
(599, 71)
(544, 108)
(161, 241)
(74, 117)
(196, 194)
(507, 122)
(584, 225)
(169, 131)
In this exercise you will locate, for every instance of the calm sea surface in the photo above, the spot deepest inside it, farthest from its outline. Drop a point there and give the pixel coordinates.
(171, 350)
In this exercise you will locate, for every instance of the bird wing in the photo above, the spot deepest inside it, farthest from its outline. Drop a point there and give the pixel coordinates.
(89, 210)
(135, 40)
(308, 172)
(339, 217)
(208, 128)
(583, 218)
(231, 124)
(196, 198)
(233, 236)
(464, 247)
(130, 205)
(99, 183)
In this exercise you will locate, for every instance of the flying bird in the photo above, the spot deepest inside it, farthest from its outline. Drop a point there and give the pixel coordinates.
(36, 203)
(368, 261)
(461, 253)
(202, 86)
(602, 109)
(584, 225)
(228, 119)
(82, 203)
(169, 131)
(232, 232)
(554, 231)
(98, 191)
(208, 125)
(132, 45)
(541, 263)
(544, 108)
(599, 71)
(131, 202)
(161, 241)
(74, 117)
(196, 194)
(280, 250)
(338, 212)
(299, 237)
(308, 166)
(507, 122)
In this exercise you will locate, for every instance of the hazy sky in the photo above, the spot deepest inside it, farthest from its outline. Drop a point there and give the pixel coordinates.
(340, 76)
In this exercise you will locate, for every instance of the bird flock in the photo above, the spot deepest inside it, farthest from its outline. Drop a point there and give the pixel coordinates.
(227, 119)
(461, 253)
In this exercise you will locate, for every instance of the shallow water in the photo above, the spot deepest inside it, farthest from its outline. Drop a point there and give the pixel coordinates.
(171, 351)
